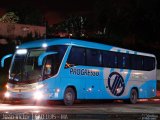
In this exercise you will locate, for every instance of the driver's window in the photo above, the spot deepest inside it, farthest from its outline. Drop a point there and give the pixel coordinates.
(50, 66)
(76, 57)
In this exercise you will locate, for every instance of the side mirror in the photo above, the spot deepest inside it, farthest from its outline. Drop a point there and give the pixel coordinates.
(43, 55)
(4, 58)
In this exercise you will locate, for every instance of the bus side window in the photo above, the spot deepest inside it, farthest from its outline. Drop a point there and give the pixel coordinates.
(123, 61)
(136, 62)
(93, 57)
(109, 59)
(76, 56)
(148, 63)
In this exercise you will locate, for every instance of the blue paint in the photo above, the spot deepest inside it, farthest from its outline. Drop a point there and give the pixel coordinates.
(4, 58)
(65, 41)
(135, 52)
(111, 70)
(43, 55)
(147, 89)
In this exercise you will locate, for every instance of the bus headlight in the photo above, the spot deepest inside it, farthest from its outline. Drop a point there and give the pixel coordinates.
(7, 94)
(38, 95)
(39, 86)
(7, 86)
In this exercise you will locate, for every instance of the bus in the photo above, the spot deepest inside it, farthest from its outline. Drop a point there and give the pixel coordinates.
(69, 69)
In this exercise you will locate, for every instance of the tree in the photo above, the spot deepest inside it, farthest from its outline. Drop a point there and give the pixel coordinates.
(9, 17)
(29, 15)
(75, 25)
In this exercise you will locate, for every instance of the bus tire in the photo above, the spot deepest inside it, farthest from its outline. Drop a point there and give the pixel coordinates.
(133, 96)
(69, 96)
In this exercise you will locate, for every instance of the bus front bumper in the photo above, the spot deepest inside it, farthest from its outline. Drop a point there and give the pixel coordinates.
(35, 95)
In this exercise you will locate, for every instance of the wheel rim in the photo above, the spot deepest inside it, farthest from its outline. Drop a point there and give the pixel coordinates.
(69, 96)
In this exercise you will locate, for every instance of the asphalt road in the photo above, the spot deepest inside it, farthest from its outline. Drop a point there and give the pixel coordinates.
(143, 110)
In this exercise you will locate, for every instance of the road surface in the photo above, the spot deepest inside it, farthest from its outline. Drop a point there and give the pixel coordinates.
(143, 110)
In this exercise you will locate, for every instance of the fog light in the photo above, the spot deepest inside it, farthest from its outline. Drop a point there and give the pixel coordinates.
(57, 90)
(89, 89)
(7, 94)
(38, 95)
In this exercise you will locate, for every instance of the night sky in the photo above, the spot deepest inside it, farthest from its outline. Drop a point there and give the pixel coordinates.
(132, 24)
(54, 10)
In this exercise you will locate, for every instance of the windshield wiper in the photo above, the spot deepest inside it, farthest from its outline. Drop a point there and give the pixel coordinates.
(15, 77)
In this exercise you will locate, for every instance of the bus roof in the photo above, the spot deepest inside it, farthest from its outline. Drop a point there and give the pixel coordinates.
(80, 43)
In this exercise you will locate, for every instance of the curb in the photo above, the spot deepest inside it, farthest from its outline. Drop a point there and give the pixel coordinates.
(145, 100)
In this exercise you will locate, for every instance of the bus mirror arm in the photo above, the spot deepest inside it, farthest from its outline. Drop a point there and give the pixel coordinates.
(4, 58)
(43, 55)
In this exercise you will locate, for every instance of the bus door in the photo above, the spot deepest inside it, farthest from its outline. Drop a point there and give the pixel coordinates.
(84, 67)
(72, 77)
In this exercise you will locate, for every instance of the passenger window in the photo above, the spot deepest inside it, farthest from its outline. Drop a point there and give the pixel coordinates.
(136, 62)
(148, 63)
(109, 59)
(93, 57)
(76, 56)
(123, 61)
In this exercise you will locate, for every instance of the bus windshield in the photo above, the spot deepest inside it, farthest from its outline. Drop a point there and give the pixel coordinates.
(25, 69)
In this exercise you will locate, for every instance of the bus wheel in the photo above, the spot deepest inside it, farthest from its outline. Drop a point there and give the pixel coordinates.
(69, 96)
(133, 96)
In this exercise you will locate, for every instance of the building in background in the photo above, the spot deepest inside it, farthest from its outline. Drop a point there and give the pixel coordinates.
(13, 31)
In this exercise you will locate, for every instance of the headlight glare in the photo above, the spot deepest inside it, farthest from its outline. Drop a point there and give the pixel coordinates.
(38, 95)
(7, 94)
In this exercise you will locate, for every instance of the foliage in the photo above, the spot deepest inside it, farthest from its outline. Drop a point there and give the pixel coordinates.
(128, 18)
(29, 15)
(75, 25)
(9, 17)
(3, 81)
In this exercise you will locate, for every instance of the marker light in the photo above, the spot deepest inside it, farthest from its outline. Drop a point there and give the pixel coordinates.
(141, 89)
(44, 45)
(57, 90)
(7, 94)
(17, 47)
(153, 90)
(38, 95)
(21, 51)
(89, 89)
(117, 89)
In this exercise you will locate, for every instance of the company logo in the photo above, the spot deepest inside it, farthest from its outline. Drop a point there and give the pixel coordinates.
(116, 84)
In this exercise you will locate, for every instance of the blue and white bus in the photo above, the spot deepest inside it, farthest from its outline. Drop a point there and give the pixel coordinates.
(69, 70)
